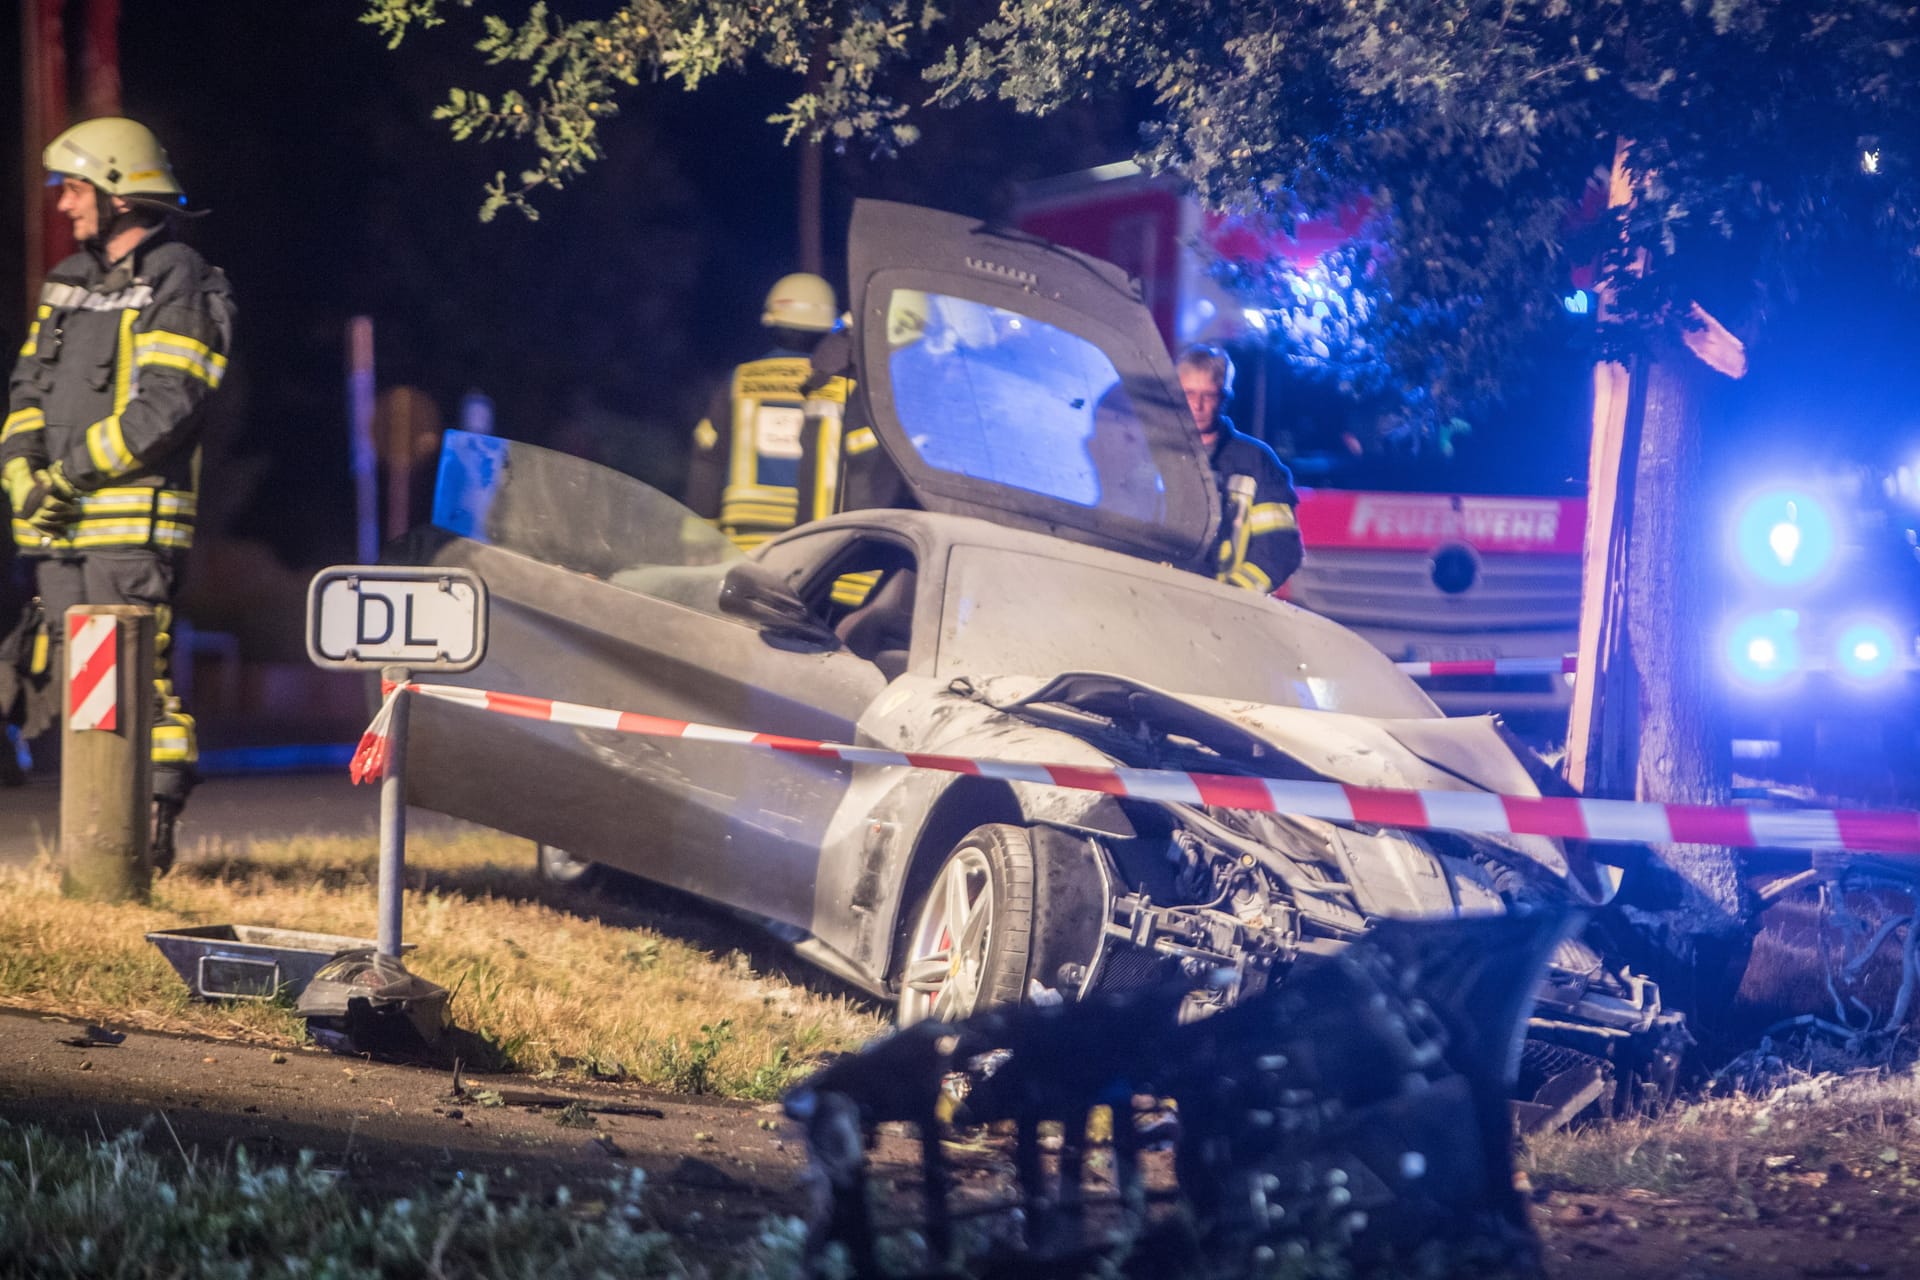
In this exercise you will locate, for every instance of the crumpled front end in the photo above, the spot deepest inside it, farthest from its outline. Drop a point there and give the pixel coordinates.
(1235, 899)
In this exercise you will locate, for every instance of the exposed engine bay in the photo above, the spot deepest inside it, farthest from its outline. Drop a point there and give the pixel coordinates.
(1234, 898)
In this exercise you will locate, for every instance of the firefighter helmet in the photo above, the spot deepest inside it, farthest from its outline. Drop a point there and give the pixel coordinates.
(800, 301)
(118, 156)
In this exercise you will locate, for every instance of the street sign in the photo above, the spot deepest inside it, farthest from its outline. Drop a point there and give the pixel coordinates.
(365, 617)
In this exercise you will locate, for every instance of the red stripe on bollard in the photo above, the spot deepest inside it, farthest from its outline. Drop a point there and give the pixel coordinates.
(89, 706)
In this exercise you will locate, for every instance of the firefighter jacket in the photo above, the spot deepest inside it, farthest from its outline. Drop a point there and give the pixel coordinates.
(117, 366)
(747, 474)
(1259, 545)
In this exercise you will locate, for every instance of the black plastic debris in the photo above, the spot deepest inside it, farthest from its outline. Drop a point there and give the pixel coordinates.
(365, 1002)
(1358, 1108)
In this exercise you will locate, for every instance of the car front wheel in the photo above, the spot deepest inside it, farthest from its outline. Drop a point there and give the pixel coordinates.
(972, 929)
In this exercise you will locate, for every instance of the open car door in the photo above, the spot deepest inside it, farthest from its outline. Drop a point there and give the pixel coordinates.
(1012, 379)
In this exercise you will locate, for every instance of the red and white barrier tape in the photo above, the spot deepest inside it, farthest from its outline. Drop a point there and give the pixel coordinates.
(1475, 812)
(1490, 667)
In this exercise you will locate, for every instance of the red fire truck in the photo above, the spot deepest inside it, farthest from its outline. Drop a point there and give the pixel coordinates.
(1425, 569)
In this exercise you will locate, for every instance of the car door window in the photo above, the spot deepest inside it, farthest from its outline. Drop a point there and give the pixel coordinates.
(867, 594)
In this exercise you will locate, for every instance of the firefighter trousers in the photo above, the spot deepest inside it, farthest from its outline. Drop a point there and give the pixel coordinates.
(138, 577)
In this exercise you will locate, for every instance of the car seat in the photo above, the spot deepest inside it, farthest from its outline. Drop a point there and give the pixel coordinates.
(881, 627)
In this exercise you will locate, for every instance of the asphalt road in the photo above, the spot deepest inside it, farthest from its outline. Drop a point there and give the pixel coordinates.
(228, 808)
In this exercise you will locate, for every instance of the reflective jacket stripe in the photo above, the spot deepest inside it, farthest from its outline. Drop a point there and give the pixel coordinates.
(158, 347)
(125, 516)
(853, 588)
(107, 446)
(21, 421)
(1269, 517)
(62, 294)
(173, 742)
(33, 330)
(826, 467)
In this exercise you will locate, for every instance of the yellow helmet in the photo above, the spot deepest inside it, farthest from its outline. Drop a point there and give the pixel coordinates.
(119, 156)
(800, 301)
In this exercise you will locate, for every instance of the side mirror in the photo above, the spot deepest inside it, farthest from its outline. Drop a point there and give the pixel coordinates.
(758, 594)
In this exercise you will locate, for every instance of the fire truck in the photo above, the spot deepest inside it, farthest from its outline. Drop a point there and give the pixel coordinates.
(1434, 563)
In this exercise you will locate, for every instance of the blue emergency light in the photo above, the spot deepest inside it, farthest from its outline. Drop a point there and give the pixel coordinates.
(1784, 538)
(1866, 650)
(1764, 649)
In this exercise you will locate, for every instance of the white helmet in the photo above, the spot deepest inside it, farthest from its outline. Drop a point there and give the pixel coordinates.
(800, 301)
(119, 156)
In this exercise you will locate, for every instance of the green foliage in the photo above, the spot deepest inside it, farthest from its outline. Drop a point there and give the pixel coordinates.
(689, 1068)
(1472, 126)
(112, 1208)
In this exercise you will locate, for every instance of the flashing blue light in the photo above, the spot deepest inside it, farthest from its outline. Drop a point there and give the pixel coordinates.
(1578, 303)
(1784, 538)
(1763, 649)
(1866, 651)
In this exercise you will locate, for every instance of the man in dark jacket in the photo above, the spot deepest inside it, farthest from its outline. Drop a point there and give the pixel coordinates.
(1259, 538)
(100, 449)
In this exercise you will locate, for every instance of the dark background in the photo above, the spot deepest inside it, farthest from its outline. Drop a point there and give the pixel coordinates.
(604, 327)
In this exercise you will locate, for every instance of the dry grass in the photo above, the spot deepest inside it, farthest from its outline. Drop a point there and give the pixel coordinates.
(1825, 1126)
(551, 979)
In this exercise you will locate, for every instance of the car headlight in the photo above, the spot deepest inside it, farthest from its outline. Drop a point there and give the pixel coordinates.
(1764, 649)
(1866, 650)
(1784, 538)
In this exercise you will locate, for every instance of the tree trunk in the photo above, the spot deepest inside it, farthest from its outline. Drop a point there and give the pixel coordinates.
(1691, 902)
(1684, 750)
(811, 212)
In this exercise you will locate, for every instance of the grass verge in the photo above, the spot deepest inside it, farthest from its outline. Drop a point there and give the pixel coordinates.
(550, 979)
(111, 1208)
(1822, 1129)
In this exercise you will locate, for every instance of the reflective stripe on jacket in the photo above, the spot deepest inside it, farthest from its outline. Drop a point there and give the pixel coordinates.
(110, 382)
(747, 474)
(1259, 545)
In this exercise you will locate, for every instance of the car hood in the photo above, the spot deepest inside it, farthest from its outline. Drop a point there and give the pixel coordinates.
(1471, 753)
(1015, 380)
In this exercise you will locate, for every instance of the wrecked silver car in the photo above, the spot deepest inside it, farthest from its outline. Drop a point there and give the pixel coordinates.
(1035, 610)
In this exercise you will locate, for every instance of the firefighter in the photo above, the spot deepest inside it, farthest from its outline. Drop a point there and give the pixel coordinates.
(100, 451)
(746, 475)
(1259, 546)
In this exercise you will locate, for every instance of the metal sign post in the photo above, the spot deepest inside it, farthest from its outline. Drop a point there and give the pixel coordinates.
(393, 814)
(396, 619)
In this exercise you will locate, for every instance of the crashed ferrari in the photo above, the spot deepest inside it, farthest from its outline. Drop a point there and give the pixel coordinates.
(1038, 607)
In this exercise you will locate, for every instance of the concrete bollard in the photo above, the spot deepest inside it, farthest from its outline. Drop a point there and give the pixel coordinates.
(106, 771)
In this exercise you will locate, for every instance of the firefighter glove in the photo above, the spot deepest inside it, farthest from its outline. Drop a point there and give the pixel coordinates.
(43, 498)
(18, 476)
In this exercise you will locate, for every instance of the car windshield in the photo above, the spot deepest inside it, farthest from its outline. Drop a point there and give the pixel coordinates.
(988, 393)
(566, 511)
(1018, 613)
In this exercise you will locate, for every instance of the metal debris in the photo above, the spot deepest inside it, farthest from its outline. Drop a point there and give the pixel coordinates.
(1359, 1108)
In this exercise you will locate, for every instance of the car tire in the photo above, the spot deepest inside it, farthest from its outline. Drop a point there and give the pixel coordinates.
(971, 931)
(558, 867)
